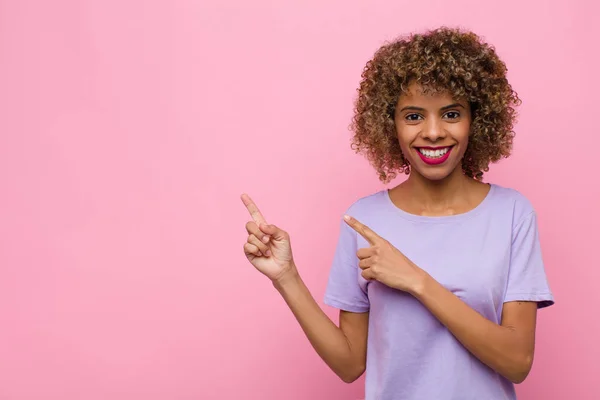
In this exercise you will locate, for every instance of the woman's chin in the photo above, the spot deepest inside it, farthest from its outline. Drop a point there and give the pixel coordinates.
(436, 177)
(436, 174)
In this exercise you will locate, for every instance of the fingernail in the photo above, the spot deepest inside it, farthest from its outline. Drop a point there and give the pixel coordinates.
(347, 217)
(268, 253)
(265, 239)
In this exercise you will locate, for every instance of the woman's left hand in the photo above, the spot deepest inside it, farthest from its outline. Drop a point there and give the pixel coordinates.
(385, 263)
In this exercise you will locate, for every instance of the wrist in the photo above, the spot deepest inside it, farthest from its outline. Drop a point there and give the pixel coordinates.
(419, 288)
(289, 277)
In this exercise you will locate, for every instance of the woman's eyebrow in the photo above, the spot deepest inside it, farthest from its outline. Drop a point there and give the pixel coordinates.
(453, 105)
(415, 108)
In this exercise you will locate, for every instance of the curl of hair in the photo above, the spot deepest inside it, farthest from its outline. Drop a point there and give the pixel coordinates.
(443, 60)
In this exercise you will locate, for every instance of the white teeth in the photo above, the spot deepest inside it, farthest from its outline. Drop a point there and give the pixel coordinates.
(434, 153)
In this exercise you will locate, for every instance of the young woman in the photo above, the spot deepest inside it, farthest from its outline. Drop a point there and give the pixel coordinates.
(438, 280)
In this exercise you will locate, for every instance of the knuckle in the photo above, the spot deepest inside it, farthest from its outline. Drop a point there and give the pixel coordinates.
(255, 241)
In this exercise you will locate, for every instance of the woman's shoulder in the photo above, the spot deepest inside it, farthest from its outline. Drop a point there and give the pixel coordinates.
(512, 198)
(366, 203)
(501, 201)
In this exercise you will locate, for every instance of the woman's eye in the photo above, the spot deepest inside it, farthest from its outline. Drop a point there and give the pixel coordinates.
(413, 117)
(452, 115)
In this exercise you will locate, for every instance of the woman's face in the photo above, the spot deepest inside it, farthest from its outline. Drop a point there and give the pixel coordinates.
(433, 131)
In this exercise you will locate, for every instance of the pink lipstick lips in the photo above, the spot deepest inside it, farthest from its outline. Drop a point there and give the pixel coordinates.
(434, 155)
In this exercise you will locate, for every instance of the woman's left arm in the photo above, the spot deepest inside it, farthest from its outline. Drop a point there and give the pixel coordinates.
(506, 348)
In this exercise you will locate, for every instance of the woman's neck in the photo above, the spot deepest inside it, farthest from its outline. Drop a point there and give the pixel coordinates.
(454, 194)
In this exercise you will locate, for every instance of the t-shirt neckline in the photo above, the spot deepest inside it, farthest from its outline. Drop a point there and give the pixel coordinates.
(442, 218)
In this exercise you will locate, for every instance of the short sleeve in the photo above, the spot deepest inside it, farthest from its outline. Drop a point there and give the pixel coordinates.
(527, 279)
(343, 288)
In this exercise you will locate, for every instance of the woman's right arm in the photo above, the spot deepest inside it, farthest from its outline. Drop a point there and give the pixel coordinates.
(342, 348)
(269, 250)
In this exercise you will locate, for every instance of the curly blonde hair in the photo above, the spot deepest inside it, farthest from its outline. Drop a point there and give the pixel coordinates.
(441, 60)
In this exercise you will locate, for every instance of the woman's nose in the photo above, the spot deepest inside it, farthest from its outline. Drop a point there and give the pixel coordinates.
(434, 131)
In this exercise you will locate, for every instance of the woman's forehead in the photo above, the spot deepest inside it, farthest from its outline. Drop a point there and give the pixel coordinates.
(424, 95)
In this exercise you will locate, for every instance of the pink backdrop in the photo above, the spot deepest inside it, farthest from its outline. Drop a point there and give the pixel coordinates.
(128, 130)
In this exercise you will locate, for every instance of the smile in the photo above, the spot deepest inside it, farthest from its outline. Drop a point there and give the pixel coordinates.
(434, 156)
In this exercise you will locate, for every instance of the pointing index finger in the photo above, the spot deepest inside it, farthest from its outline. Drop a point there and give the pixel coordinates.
(253, 210)
(362, 229)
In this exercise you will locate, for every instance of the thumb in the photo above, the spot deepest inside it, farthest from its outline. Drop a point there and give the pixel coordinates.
(272, 230)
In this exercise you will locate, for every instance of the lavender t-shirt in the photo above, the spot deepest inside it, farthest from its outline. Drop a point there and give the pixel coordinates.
(487, 256)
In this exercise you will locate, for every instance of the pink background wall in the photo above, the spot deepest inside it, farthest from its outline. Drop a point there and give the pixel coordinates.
(128, 129)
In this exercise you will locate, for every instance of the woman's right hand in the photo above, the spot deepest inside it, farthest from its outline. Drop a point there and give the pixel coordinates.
(268, 247)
